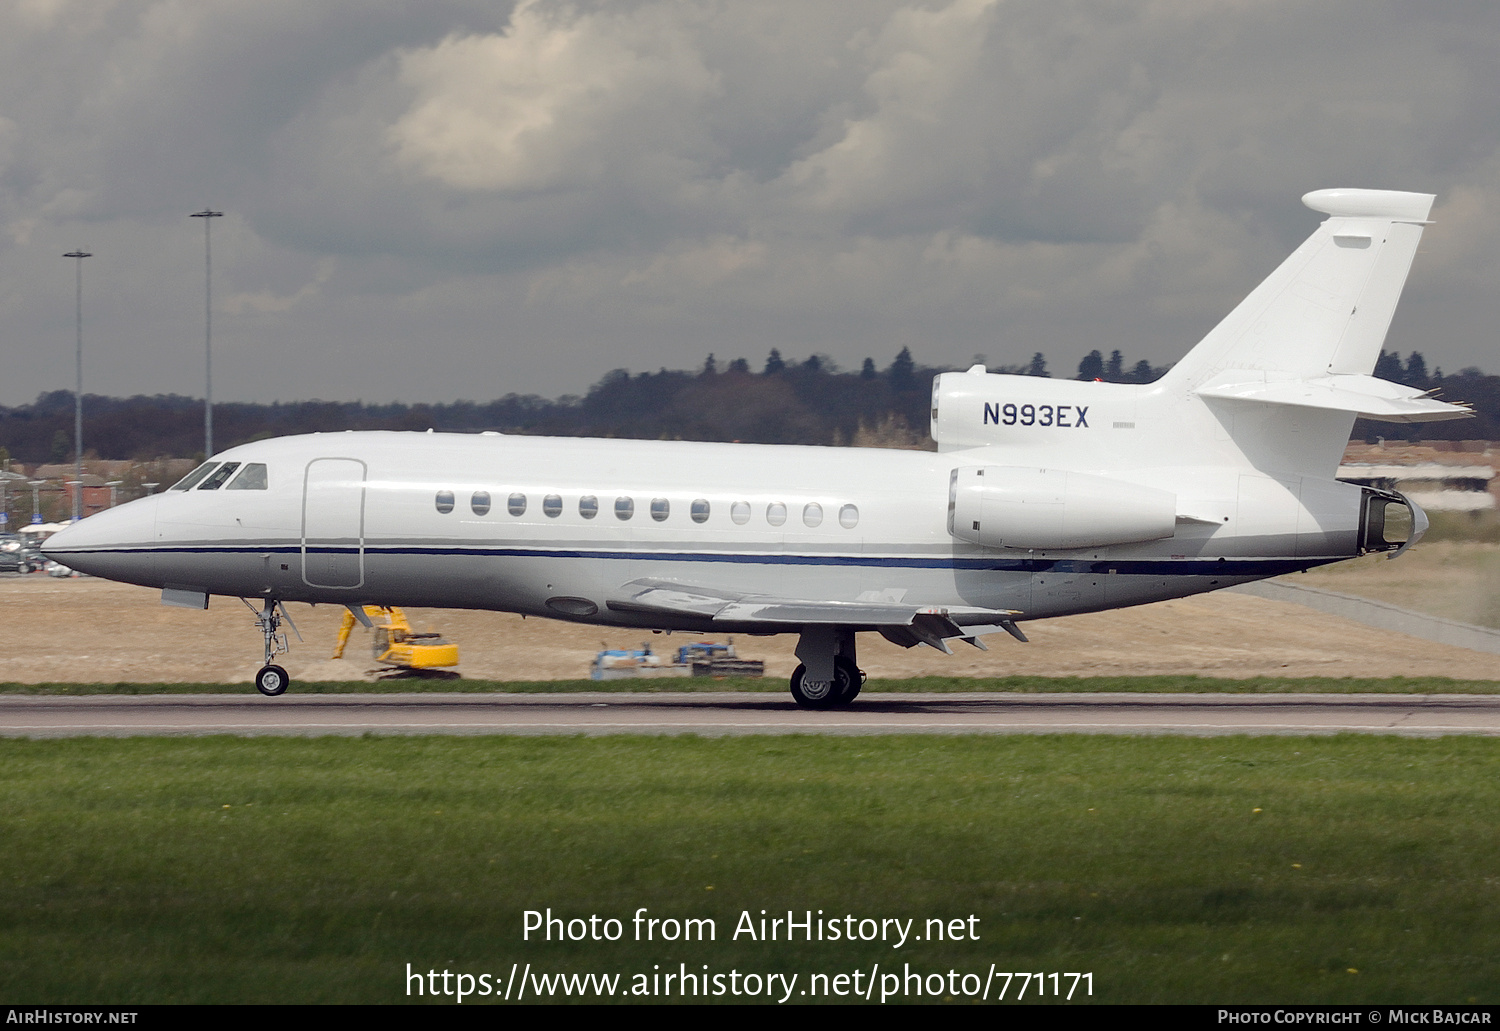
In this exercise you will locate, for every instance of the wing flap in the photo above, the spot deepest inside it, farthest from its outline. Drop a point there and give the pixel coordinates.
(671, 599)
(908, 624)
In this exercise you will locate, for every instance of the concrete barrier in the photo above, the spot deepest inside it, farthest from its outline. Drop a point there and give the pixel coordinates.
(1379, 614)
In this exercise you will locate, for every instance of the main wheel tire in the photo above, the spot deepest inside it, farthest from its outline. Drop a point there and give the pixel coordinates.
(814, 694)
(272, 681)
(811, 694)
(848, 678)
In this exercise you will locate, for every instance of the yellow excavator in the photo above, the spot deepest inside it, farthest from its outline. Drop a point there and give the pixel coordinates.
(400, 650)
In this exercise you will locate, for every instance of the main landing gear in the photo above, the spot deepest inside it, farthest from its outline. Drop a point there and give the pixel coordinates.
(272, 680)
(829, 676)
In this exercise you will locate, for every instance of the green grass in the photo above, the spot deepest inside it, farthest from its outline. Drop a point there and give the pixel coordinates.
(1174, 869)
(1454, 580)
(1482, 527)
(943, 685)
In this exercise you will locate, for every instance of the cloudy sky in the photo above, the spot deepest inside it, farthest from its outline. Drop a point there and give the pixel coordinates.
(442, 199)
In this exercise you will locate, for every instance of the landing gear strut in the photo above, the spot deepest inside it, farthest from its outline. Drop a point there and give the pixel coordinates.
(272, 680)
(829, 676)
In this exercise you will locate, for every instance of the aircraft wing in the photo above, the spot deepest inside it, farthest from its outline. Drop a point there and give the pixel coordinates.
(906, 625)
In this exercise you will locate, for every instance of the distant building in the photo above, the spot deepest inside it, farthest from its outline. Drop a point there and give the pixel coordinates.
(16, 491)
(1441, 475)
(95, 487)
(97, 495)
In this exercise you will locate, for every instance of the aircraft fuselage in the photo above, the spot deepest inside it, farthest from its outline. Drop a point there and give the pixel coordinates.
(555, 527)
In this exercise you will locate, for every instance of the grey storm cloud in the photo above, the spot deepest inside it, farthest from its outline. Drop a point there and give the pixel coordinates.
(446, 199)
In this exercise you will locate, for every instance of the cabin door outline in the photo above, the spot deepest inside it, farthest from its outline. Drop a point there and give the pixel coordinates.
(333, 523)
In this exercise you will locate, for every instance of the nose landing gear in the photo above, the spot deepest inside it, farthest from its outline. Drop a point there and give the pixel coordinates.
(272, 680)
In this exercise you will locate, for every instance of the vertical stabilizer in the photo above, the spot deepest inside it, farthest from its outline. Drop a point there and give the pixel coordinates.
(1326, 310)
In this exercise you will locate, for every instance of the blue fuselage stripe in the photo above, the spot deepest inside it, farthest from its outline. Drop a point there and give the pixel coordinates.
(1251, 567)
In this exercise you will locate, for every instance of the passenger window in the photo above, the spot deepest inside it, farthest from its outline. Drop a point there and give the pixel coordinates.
(588, 506)
(699, 511)
(848, 517)
(516, 505)
(624, 508)
(775, 513)
(552, 506)
(252, 478)
(812, 513)
(221, 474)
(445, 501)
(660, 509)
(190, 481)
(740, 512)
(480, 502)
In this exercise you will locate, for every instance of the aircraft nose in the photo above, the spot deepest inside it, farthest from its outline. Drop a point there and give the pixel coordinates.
(116, 544)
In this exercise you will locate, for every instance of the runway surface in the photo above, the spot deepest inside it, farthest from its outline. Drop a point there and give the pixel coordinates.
(729, 713)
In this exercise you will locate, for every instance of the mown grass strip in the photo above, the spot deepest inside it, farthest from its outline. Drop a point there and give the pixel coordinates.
(1347, 869)
(935, 685)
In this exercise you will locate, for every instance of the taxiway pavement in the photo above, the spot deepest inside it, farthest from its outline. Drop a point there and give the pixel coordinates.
(717, 714)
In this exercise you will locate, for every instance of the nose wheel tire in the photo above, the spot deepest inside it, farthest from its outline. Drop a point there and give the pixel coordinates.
(814, 694)
(272, 681)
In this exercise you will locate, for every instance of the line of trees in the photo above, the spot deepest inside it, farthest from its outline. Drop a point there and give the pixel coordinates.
(786, 401)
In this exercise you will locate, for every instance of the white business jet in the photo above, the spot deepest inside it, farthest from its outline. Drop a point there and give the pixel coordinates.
(1045, 497)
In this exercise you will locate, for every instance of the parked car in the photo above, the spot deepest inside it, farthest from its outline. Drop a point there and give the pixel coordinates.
(21, 560)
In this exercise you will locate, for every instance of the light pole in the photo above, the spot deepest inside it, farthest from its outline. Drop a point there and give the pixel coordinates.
(208, 215)
(79, 255)
(8, 480)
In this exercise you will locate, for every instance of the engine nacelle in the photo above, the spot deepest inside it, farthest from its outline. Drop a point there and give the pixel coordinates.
(1021, 507)
(980, 409)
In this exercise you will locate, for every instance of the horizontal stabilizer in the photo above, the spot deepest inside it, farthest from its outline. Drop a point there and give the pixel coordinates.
(1367, 396)
(1395, 205)
(912, 624)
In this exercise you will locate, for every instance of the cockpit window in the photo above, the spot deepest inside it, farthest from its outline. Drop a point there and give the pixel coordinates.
(252, 478)
(190, 481)
(221, 474)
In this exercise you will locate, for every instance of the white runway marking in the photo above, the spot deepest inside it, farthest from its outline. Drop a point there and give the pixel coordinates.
(728, 713)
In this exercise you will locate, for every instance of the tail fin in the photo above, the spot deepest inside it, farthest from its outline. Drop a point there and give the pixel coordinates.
(1326, 310)
(1280, 381)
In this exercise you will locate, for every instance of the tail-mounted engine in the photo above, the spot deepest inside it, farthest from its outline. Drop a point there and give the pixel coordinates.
(1019, 507)
(980, 409)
